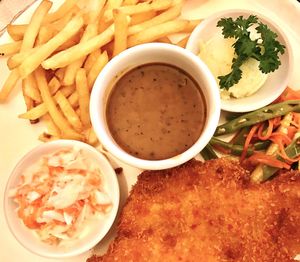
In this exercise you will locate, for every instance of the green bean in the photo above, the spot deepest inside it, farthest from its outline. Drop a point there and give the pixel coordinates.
(292, 151)
(238, 149)
(257, 116)
(208, 153)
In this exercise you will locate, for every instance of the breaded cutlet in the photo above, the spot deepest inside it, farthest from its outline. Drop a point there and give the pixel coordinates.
(208, 212)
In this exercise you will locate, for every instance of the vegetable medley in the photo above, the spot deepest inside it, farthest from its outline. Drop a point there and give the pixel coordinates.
(266, 140)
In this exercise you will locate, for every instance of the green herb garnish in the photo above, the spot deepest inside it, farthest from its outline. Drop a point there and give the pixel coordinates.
(264, 49)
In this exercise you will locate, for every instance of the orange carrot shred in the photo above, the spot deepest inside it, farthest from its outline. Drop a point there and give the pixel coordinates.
(247, 141)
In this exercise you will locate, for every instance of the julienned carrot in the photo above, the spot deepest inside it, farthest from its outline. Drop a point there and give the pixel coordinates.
(248, 140)
(269, 130)
(261, 158)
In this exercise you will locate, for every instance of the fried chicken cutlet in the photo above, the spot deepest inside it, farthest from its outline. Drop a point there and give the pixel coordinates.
(208, 212)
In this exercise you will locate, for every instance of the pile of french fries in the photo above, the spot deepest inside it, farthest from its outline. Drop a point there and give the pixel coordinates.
(59, 54)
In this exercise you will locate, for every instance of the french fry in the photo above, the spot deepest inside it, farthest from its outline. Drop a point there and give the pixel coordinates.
(31, 90)
(156, 32)
(68, 111)
(70, 55)
(83, 96)
(52, 129)
(41, 109)
(91, 59)
(96, 69)
(34, 25)
(35, 113)
(74, 99)
(60, 73)
(59, 120)
(113, 4)
(164, 39)
(182, 43)
(130, 2)
(96, 11)
(28, 102)
(121, 29)
(165, 16)
(17, 59)
(45, 34)
(191, 25)
(142, 17)
(69, 43)
(156, 5)
(54, 85)
(44, 51)
(61, 11)
(71, 69)
(9, 84)
(10, 48)
(16, 32)
(91, 137)
(60, 23)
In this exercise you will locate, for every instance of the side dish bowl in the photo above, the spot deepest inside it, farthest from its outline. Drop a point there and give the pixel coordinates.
(95, 229)
(276, 81)
(154, 53)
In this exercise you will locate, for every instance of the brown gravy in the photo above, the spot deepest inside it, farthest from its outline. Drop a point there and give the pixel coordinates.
(155, 111)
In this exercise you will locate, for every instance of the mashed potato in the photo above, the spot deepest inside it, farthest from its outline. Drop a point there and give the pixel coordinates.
(218, 53)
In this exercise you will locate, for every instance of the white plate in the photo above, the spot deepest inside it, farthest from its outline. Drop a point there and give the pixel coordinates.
(17, 136)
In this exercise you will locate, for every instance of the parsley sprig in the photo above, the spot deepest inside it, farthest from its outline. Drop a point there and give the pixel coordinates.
(264, 49)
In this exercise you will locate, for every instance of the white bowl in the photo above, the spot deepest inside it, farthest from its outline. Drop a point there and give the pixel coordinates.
(99, 228)
(276, 82)
(151, 53)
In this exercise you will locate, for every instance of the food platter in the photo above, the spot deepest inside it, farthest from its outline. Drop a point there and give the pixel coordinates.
(17, 136)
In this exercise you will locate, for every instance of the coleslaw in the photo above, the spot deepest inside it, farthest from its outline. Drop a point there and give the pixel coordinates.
(60, 194)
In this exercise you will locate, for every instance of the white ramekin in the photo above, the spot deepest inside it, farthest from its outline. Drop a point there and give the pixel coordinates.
(151, 53)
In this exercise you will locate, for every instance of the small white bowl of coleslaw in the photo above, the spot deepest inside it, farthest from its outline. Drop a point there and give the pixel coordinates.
(61, 199)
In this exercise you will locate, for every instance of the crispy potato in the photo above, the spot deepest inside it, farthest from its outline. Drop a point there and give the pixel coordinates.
(52, 129)
(71, 69)
(68, 111)
(61, 11)
(9, 84)
(155, 32)
(17, 59)
(191, 25)
(59, 55)
(113, 4)
(121, 30)
(156, 5)
(54, 85)
(96, 69)
(55, 114)
(182, 43)
(164, 39)
(142, 17)
(165, 16)
(130, 2)
(41, 109)
(31, 90)
(35, 23)
(91, 59)
(70, 55)
(44, 35)
(83, 96)
(10, 48)
(44, 51)
(16, 32)
(96, 11)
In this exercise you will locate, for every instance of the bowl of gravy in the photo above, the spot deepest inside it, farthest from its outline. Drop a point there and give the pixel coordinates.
(155, 106)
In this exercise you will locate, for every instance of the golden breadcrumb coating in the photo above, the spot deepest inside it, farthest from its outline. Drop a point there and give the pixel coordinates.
(208, 212)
